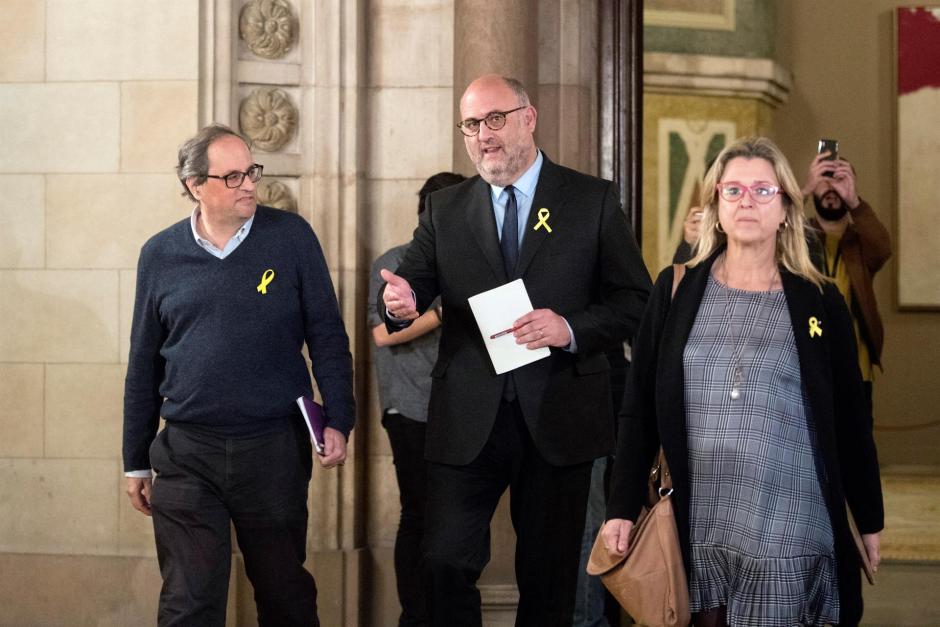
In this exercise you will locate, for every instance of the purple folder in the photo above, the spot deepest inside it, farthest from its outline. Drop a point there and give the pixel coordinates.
(315, 419)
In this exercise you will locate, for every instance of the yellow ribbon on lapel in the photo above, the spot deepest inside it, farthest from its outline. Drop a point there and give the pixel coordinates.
(543, 220)
(814, 327)
(266, 279)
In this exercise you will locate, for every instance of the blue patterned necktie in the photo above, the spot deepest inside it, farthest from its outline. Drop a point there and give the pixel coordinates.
(509, 240)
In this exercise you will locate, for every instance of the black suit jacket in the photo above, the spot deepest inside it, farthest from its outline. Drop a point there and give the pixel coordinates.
(655, 413)
(588, 269)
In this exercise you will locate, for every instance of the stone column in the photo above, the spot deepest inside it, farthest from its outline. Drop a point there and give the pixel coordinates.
(492, 36)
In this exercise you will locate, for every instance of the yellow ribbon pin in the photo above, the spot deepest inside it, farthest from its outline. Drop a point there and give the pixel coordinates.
(266, 279)
(814, 328)
(543, 220)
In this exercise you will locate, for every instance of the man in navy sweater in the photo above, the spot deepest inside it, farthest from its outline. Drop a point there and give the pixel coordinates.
(226, 300)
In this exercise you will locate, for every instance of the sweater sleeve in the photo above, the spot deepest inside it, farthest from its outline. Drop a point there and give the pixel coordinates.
(638, 435)
(858, 457)
(145, 370)
(325, 335)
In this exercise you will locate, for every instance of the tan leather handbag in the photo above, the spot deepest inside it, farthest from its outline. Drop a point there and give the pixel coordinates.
(649, 580)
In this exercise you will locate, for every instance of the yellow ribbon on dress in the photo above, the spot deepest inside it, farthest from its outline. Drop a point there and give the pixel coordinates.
(266, 279)
(543, 220)
(814, 328)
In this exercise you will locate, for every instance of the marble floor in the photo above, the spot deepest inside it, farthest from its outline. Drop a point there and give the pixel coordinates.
(908, 581)
(912, 516)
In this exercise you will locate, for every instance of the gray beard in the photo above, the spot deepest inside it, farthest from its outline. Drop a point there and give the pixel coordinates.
(503, 175)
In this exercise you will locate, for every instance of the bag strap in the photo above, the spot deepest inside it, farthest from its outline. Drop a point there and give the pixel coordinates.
(660, 483)
(665, 479)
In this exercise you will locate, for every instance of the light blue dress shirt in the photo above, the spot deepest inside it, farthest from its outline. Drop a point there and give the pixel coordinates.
(230, 246)
(525, 193)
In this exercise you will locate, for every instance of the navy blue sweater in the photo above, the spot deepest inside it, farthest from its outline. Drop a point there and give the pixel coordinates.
(210, 351)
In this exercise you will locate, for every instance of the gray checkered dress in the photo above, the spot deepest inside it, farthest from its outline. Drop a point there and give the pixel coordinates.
(761, 539)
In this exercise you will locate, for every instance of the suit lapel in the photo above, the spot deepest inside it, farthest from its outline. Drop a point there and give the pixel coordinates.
(550, 193)
(482, 224)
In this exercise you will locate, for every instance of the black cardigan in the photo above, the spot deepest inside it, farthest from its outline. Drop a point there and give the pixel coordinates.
(653, 413)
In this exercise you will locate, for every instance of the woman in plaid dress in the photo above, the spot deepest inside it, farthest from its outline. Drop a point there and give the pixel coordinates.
(748, 378)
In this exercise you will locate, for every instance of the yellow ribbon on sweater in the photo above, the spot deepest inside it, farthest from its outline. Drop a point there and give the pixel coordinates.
(266, 279)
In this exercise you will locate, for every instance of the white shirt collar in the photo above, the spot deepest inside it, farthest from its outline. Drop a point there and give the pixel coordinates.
(237, 239)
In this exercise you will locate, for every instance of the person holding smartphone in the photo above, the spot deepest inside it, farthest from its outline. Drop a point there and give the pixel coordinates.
(852, 247)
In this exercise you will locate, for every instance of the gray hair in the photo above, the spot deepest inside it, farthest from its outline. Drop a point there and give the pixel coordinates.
(193, 158)
(517, 88)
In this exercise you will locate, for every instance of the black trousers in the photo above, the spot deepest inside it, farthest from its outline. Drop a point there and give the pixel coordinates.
(547, 508)
(407, 439)
(204, 485)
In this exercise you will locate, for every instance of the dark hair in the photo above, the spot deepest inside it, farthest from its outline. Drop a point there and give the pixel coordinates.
(436, 182)
(193, 158)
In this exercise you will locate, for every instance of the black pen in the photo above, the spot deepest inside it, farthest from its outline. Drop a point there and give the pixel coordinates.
(502, 333)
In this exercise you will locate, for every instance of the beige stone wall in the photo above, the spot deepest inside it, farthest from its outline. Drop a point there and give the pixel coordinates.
(94, 102)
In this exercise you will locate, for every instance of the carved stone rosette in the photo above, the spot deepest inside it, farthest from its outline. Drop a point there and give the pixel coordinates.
(273, 193)
(269, 118)
(268, 27)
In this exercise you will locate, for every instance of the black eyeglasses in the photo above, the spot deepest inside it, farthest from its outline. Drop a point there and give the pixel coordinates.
(234, 180)
(494, 121)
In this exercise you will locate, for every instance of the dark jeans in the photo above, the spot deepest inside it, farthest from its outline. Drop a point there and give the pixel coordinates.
(407, 439)
(547, 508)
(206, 483)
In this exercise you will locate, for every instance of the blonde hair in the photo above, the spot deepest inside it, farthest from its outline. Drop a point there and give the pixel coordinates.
(792, 250)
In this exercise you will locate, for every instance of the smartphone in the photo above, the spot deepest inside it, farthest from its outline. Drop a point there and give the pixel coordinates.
(830, 146)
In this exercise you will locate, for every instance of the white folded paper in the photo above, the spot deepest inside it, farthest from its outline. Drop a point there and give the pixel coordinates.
(495, 311)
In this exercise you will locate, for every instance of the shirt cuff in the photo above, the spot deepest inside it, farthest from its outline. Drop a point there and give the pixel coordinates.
(573, 346)
(140, 474)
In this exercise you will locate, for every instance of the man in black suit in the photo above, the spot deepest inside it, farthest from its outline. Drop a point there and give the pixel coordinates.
(538, 428)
